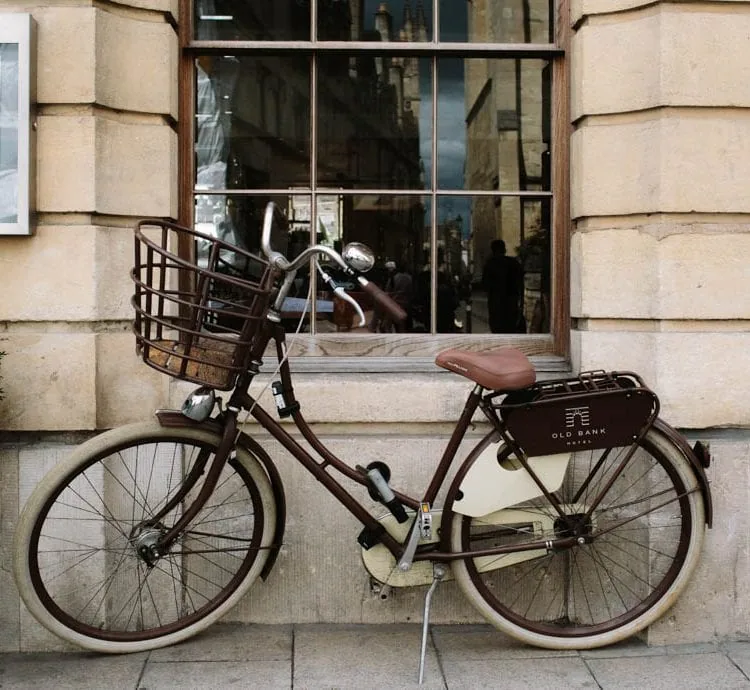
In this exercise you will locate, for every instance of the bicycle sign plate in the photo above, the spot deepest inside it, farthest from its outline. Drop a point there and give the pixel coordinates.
(580, 422)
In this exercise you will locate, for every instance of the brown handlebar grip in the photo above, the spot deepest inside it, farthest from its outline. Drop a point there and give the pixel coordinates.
(382, 298)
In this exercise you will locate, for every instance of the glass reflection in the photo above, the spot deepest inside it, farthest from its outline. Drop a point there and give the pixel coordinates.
(373, 121)
(237, 219)
(493, 124)
(252, 122)
(375, 20)
(394, 227)
(397, 229)
(489, 21)
(507, 252)
(255, 20)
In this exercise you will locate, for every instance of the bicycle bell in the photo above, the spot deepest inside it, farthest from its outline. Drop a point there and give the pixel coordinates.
(358, 256)
(199, 404)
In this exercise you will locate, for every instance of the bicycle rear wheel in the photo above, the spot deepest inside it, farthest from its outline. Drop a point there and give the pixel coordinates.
(631, 559)
(79, 547)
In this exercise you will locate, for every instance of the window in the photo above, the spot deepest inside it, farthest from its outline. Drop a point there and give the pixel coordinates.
(435, 132)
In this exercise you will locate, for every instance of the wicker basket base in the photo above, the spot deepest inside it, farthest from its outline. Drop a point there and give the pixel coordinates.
(215, 368)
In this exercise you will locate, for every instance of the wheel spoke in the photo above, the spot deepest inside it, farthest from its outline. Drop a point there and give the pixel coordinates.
(88, 565)
(623, 559)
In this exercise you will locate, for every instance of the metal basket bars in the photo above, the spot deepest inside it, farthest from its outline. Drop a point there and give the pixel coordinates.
(199, 302)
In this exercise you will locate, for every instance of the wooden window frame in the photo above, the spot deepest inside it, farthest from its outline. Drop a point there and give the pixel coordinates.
(413, 351)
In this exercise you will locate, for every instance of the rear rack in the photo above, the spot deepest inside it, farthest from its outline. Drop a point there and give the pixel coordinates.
(596, 409)
(595, 381)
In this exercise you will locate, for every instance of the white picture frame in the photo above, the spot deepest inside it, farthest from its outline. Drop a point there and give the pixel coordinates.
(17, 140)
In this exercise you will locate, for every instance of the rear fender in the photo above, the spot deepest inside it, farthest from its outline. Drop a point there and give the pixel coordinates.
(698, 457)
(175, 419)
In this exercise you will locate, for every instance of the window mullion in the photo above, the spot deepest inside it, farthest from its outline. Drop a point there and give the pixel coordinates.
(434, 200)
(314, 110)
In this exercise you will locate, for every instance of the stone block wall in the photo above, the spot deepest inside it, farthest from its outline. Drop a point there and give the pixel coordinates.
(659, 163)
(106, 154)
(660, 280)
(106, 141)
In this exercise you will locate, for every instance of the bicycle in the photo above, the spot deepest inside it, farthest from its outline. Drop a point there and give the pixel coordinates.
(574, 523)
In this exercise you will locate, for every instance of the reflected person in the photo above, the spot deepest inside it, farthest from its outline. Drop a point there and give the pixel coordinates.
(502, 280)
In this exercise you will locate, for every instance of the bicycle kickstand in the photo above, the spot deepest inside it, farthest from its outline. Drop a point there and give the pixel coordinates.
(438, 573)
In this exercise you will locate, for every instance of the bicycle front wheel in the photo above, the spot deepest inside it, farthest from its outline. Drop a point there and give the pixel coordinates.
(80, 562)
(633, 554)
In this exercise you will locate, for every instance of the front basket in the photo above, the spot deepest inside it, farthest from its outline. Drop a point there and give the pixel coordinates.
(199, 303)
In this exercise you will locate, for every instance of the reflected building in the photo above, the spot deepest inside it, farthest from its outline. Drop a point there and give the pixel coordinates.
(507, 104)
(253, 127)
(369, 110)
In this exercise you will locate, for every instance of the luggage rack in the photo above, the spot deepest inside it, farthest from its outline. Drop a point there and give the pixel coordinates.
(595, 381)
(595, 409)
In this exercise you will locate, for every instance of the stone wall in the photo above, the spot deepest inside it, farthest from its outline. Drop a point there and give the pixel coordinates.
(660, 281)
(659, 200)
(107, 154)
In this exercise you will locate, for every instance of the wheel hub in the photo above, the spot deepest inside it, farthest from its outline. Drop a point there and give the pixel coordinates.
(145, 540)
(575, 525)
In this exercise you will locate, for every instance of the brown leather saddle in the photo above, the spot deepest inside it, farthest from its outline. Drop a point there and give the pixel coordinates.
(506, 369)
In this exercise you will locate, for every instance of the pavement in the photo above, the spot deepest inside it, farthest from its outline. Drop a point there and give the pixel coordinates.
(380, 656)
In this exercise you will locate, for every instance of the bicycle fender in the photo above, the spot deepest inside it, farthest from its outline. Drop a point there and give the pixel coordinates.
(696, 463)
(175, 419)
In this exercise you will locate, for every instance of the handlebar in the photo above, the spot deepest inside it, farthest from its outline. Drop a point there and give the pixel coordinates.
(383, 299)
(280, 262)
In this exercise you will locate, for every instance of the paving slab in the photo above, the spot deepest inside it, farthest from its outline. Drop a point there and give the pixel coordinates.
(232, 642)
(200, 675)
(382, 657)
(484, 642)
(627, 648)
(79, 671)
(515, 674)
(683, 671)
(363, 657)
(739, 653)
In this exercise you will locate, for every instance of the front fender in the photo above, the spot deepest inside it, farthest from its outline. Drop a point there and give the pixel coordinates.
(175, 419)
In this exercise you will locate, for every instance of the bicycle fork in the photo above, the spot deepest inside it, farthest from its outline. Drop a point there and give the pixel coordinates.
(151, 543)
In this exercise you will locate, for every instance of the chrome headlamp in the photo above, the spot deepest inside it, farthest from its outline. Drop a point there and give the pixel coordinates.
(199, 404)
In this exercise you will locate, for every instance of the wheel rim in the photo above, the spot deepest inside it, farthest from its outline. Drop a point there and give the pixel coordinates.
(632, 548)
(83, 552)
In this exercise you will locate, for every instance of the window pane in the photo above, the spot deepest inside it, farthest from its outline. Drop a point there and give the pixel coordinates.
(493, 124)
(395, 228)
(252, 20)
(237, 219)
(490, 21)
(511, 279)
(374, 20)
(252, 122)
(374, 122)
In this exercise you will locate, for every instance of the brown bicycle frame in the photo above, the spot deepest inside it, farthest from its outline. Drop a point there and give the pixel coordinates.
(241, 399)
